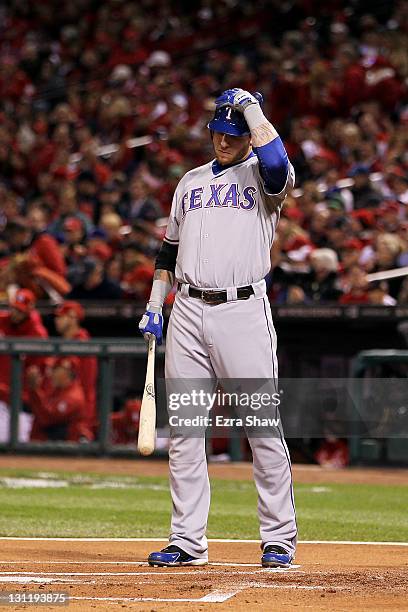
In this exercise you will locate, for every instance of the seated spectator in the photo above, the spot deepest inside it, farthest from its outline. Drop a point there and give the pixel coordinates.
(388, 247)
(22, 320)
(378, 294)
(389, 217)
(138, 271)
(34, 259)
(112, 199)
(125, 423)
(111, 225)
(397, 179)
(333, 453)
(142, 205)
(93, 284)
(338, 232)
(74, 247)
(43, 245)
(355, 286)
(318, 284)
(68, 318)
(68, 207)
(114, 269)
(58, 404)
(363, 192)
(403, 294)
(87, 194)
(350, 253)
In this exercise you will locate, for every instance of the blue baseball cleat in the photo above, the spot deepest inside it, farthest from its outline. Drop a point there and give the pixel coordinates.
(173, 556)
(275, 556)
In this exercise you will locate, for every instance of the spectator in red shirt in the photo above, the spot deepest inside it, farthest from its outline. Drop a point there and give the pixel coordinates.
(356, 287)
(125, 423)
(35, 258)
(138, 271)
(68, 318)
(24, 321)
(350, 253)
(59, 406)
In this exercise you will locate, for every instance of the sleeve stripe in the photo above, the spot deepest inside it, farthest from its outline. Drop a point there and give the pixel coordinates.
(170, 240)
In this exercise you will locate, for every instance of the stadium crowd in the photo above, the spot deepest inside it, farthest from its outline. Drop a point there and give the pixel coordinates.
(104, 106)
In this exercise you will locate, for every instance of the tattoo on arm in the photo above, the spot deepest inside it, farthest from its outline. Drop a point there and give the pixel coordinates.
(164, 275)
(263, 134)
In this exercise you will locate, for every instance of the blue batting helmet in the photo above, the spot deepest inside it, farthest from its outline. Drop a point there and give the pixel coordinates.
(227, 120)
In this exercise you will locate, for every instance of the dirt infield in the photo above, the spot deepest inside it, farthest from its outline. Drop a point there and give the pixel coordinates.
(102, 575)
(99, 575)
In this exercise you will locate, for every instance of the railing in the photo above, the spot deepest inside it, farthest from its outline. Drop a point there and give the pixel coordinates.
(124, 310)
(104, 349)
(107, 349)
(360, 366)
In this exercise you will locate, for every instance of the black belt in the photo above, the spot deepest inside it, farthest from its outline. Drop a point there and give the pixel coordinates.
(218, 297)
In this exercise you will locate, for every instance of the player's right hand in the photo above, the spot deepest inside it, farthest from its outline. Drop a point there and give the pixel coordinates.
(152, 324)
(237, 98)
(227, 97)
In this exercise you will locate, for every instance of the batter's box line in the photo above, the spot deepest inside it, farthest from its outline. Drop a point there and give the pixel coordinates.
(213, 597)
(152, 573)
(217, 596)
(143, 564)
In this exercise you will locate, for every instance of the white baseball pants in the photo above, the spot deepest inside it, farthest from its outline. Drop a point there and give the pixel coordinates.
(232, 340)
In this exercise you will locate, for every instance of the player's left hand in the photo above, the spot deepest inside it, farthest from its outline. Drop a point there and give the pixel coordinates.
(236, 98)
(152, 323)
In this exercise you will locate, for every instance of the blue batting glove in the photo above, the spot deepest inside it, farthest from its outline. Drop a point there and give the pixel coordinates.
(237, 98)
(152, 323)
(227, 97)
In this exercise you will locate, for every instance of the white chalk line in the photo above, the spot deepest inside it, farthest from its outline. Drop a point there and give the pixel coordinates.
(41, 580)
(214, 597)
(216, 540)
(168, 572)
(218, 596)
(292, 568)
(260, 585)
(153, 578)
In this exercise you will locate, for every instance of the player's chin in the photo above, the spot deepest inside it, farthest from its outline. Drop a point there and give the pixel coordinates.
(224, 158)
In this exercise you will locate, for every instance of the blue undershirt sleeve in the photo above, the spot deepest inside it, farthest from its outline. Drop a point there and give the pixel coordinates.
(273, 165)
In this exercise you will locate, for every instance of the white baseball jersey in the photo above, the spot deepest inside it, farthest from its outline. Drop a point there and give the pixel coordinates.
(222, 225)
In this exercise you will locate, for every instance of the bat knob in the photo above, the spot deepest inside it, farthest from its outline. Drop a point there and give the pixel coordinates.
(259, 97)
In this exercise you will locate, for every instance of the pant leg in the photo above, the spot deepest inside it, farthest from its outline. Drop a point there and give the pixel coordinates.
(273, 479)
(187, 358)
(244, 346)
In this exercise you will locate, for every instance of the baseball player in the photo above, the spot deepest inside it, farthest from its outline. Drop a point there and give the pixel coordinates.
(217, 247)
(58, 405)
(24, 321)
(68, 317)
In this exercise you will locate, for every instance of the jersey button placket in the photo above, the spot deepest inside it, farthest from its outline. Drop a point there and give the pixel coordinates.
(204, 235)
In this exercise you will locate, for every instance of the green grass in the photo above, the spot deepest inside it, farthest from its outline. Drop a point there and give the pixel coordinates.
(87, 507)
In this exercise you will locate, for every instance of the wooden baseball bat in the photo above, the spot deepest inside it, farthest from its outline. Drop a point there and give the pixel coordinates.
(147, 422)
